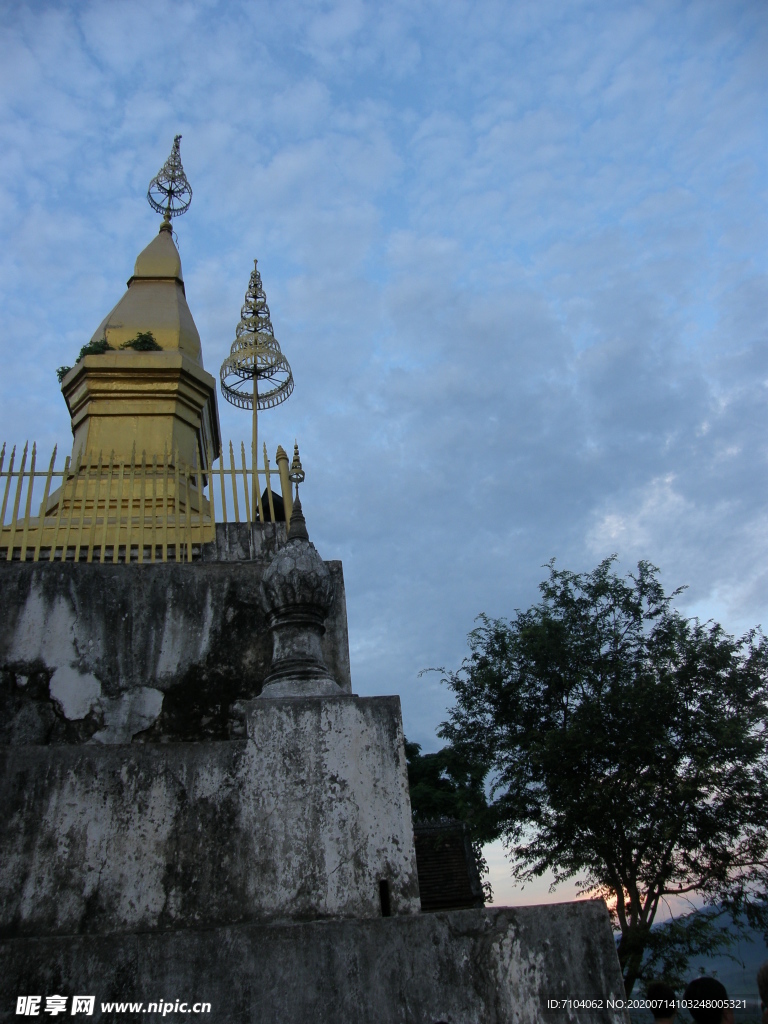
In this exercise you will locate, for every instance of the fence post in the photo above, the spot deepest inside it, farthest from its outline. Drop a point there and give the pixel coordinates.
(257, 503)
(281, 459)
(28, 505)
(188, 516)
(234, 481)
(267, 474)
(223, 492)
(131, 482)
(59, 511)
(119, 516)
(199, 468)
(79, 541)
(142, 504)
(7, 487)
(107, 505)
(165, 503)
(75, 478)
(95, 512)
(176, 506)
(17, 499)
(41, 517)
(245, 485)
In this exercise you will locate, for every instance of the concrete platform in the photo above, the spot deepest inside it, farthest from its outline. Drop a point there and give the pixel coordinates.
(493, 966)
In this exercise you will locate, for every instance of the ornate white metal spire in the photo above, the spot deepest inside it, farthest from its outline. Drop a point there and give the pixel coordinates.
(169, 191)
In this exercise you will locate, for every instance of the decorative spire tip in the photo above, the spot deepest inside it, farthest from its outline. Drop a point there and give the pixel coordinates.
(169, 191)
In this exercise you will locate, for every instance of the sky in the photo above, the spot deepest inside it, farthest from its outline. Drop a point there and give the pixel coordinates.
(515, 253)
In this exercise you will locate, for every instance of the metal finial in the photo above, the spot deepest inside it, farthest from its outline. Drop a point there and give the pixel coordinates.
(255, 356)
(296, 474)
(169, 191)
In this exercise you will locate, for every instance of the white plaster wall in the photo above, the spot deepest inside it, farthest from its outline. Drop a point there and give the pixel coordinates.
(302, 820)
(335, 819)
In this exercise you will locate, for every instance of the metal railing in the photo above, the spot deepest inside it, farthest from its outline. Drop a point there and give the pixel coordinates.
(147, 509)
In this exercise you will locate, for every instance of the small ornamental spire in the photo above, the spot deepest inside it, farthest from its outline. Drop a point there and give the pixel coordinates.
(297, 528)
(169, 191)
(254, 316)
(296, 474)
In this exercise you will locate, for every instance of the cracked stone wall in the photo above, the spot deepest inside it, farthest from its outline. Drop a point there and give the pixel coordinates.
(139, 653)
(304, 819)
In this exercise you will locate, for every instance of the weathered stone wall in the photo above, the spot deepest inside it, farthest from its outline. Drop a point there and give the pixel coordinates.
(303, 819)
(114, 654)
(495, 966)
(245, 871)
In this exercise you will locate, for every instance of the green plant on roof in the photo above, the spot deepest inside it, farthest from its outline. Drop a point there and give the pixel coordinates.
(94, 348)
(143, 342)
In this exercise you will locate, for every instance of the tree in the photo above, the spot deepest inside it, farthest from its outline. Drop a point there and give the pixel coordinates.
(444, 784)
(626, 745)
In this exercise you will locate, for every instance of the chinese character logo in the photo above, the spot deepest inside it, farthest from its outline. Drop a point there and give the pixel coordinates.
(29, 1006)
(83, 1004)
(55, 1005)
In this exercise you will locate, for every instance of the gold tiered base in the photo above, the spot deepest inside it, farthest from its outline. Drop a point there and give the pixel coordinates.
(142, 401)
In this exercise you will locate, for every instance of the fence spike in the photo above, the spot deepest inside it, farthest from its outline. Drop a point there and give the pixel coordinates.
(95, 509)
(267, 474)
(44, 506)
(84, 501)
(142, 503)
(233, 476)
(28, 505)
(177, 507)
(59, 511)
(164, 542)
(245, 485)
(119, 516)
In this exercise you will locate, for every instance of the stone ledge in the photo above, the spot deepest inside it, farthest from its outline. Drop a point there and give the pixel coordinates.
(493, 966)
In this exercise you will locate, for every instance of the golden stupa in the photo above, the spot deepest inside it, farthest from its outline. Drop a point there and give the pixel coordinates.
(139, 484)
(126, 400)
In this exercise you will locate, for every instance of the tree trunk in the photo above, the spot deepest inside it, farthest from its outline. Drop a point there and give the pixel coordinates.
(630, 950)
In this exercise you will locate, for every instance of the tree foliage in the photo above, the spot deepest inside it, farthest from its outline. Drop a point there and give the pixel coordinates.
(627, 746)
(445, 784)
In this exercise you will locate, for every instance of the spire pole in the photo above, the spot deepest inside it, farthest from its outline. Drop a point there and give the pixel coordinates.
(255, 439)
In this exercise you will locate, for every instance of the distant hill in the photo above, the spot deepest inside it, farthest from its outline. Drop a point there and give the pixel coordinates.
(740, 982)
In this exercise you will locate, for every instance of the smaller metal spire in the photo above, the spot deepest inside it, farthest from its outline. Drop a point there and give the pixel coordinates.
(169, 191)
(296, 474)
(255, 356)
